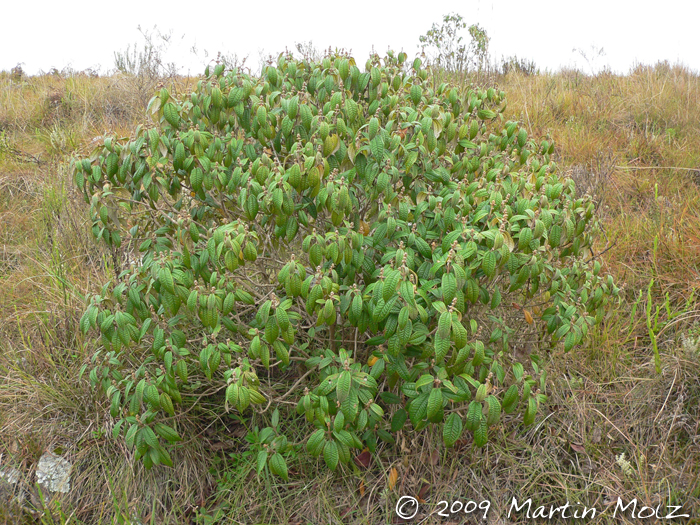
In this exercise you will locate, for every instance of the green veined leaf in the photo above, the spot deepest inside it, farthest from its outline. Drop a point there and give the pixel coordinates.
(278, 466)
(398, 420)
(423, 380)
(435, 406)
(344, 385)
(261, 461)
(452, 429)
(331, 455)
(494, 410)
(444, 325)
(315, 443)
(442, 346)
(473, 416)
(481, 434)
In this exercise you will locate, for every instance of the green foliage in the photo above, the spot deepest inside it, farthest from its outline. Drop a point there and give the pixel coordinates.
(444, 45)
(366, 225)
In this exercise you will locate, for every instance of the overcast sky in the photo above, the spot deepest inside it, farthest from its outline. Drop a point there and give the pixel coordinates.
(84, 34)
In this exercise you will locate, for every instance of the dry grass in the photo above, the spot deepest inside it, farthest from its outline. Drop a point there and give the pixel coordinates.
(630, 141)
(572, 454)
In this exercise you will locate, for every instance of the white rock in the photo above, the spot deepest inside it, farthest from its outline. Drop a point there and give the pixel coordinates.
(10, 475)
(53, 473)
(11, 488)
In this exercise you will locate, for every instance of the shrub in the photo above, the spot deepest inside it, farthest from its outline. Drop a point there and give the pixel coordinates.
(445, 47)
(395, 239)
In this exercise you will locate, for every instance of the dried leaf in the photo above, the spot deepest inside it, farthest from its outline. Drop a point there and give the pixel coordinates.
(362, 487)
(461, 444)
(364, 228)
(528, 316)
(424, 489)
(393, 477)
(578, 448)
(434, 457)
(363, 459)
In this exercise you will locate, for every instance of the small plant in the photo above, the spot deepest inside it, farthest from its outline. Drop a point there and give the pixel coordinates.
(523, 66)
(591, 57)
(270, 447)
(308, 51)
(625, 465)
(146, 66)
(6, 147)
(444, 45)
(376, 243)
(57, 139)
(691, 341)
(17, 73)
(148, 62)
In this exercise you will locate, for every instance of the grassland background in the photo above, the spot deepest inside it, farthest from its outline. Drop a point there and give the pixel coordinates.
(632, 141)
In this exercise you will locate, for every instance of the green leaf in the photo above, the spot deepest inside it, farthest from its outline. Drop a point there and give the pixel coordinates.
(261, 461)
(442, 346)
(315, 443)
(518, 371)
(117, 429)
(444, 325)
(418, 409)
(386, 436)
(435, 406)
(131, 435)
(488, 263)
(344, 384)
(330, 454)
(166, 280)
(398, 420)
(530, 412)
(494, 410)
(481, 434)
(390, 398)
(166, 432)
(377, 148)
(474, 416)
(278, 466)
(164, 457)
(452, 429)
(510, 399)
(485, 114)
(423, 380)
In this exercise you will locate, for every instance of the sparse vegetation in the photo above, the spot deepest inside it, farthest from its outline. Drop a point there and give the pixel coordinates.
(612, 425)
(513, 64)
(445, 46)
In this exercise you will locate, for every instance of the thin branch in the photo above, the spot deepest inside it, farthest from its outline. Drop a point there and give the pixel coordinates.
(601, 253)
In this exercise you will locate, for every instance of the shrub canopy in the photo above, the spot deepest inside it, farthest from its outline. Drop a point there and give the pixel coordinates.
(397, 239)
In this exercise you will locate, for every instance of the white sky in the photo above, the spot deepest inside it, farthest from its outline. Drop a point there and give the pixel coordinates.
(85, 34)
